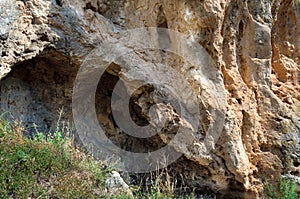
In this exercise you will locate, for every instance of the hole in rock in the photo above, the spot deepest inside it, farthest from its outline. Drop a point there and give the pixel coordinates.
(138, 107)
(296, 173)
(59, 2)
(35, 90)
(296, 163)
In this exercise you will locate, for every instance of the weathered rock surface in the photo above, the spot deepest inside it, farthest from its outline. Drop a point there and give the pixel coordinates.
(256, 49)
(115, 185)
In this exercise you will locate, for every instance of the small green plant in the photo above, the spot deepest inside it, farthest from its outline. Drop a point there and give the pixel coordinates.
(160, 184)
(285, 189)
(121, 197)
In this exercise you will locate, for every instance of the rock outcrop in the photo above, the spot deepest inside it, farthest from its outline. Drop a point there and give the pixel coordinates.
(247, 91)
(115, 185)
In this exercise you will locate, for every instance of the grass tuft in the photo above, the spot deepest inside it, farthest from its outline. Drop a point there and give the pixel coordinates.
(284, 189)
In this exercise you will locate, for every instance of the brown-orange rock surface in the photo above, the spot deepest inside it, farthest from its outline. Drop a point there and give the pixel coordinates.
(248, 89)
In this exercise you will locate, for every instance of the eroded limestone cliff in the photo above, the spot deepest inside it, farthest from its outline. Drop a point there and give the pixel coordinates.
(251, 90)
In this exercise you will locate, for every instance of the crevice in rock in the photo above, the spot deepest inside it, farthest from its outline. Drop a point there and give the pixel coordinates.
(161, 19)
(111, 9)
(243, 65)
(59, 2)
(91, 7)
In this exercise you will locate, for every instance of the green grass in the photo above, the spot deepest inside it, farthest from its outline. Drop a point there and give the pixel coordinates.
(284, 189)
(46, 167)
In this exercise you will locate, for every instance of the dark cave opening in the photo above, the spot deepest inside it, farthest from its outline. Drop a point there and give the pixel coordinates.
(105, 117)
(36, 90)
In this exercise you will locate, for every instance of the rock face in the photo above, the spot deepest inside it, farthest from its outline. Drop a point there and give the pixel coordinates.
(249, 90)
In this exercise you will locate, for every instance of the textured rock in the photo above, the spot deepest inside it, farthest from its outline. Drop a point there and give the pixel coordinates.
(256, 49)
(115, 185)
